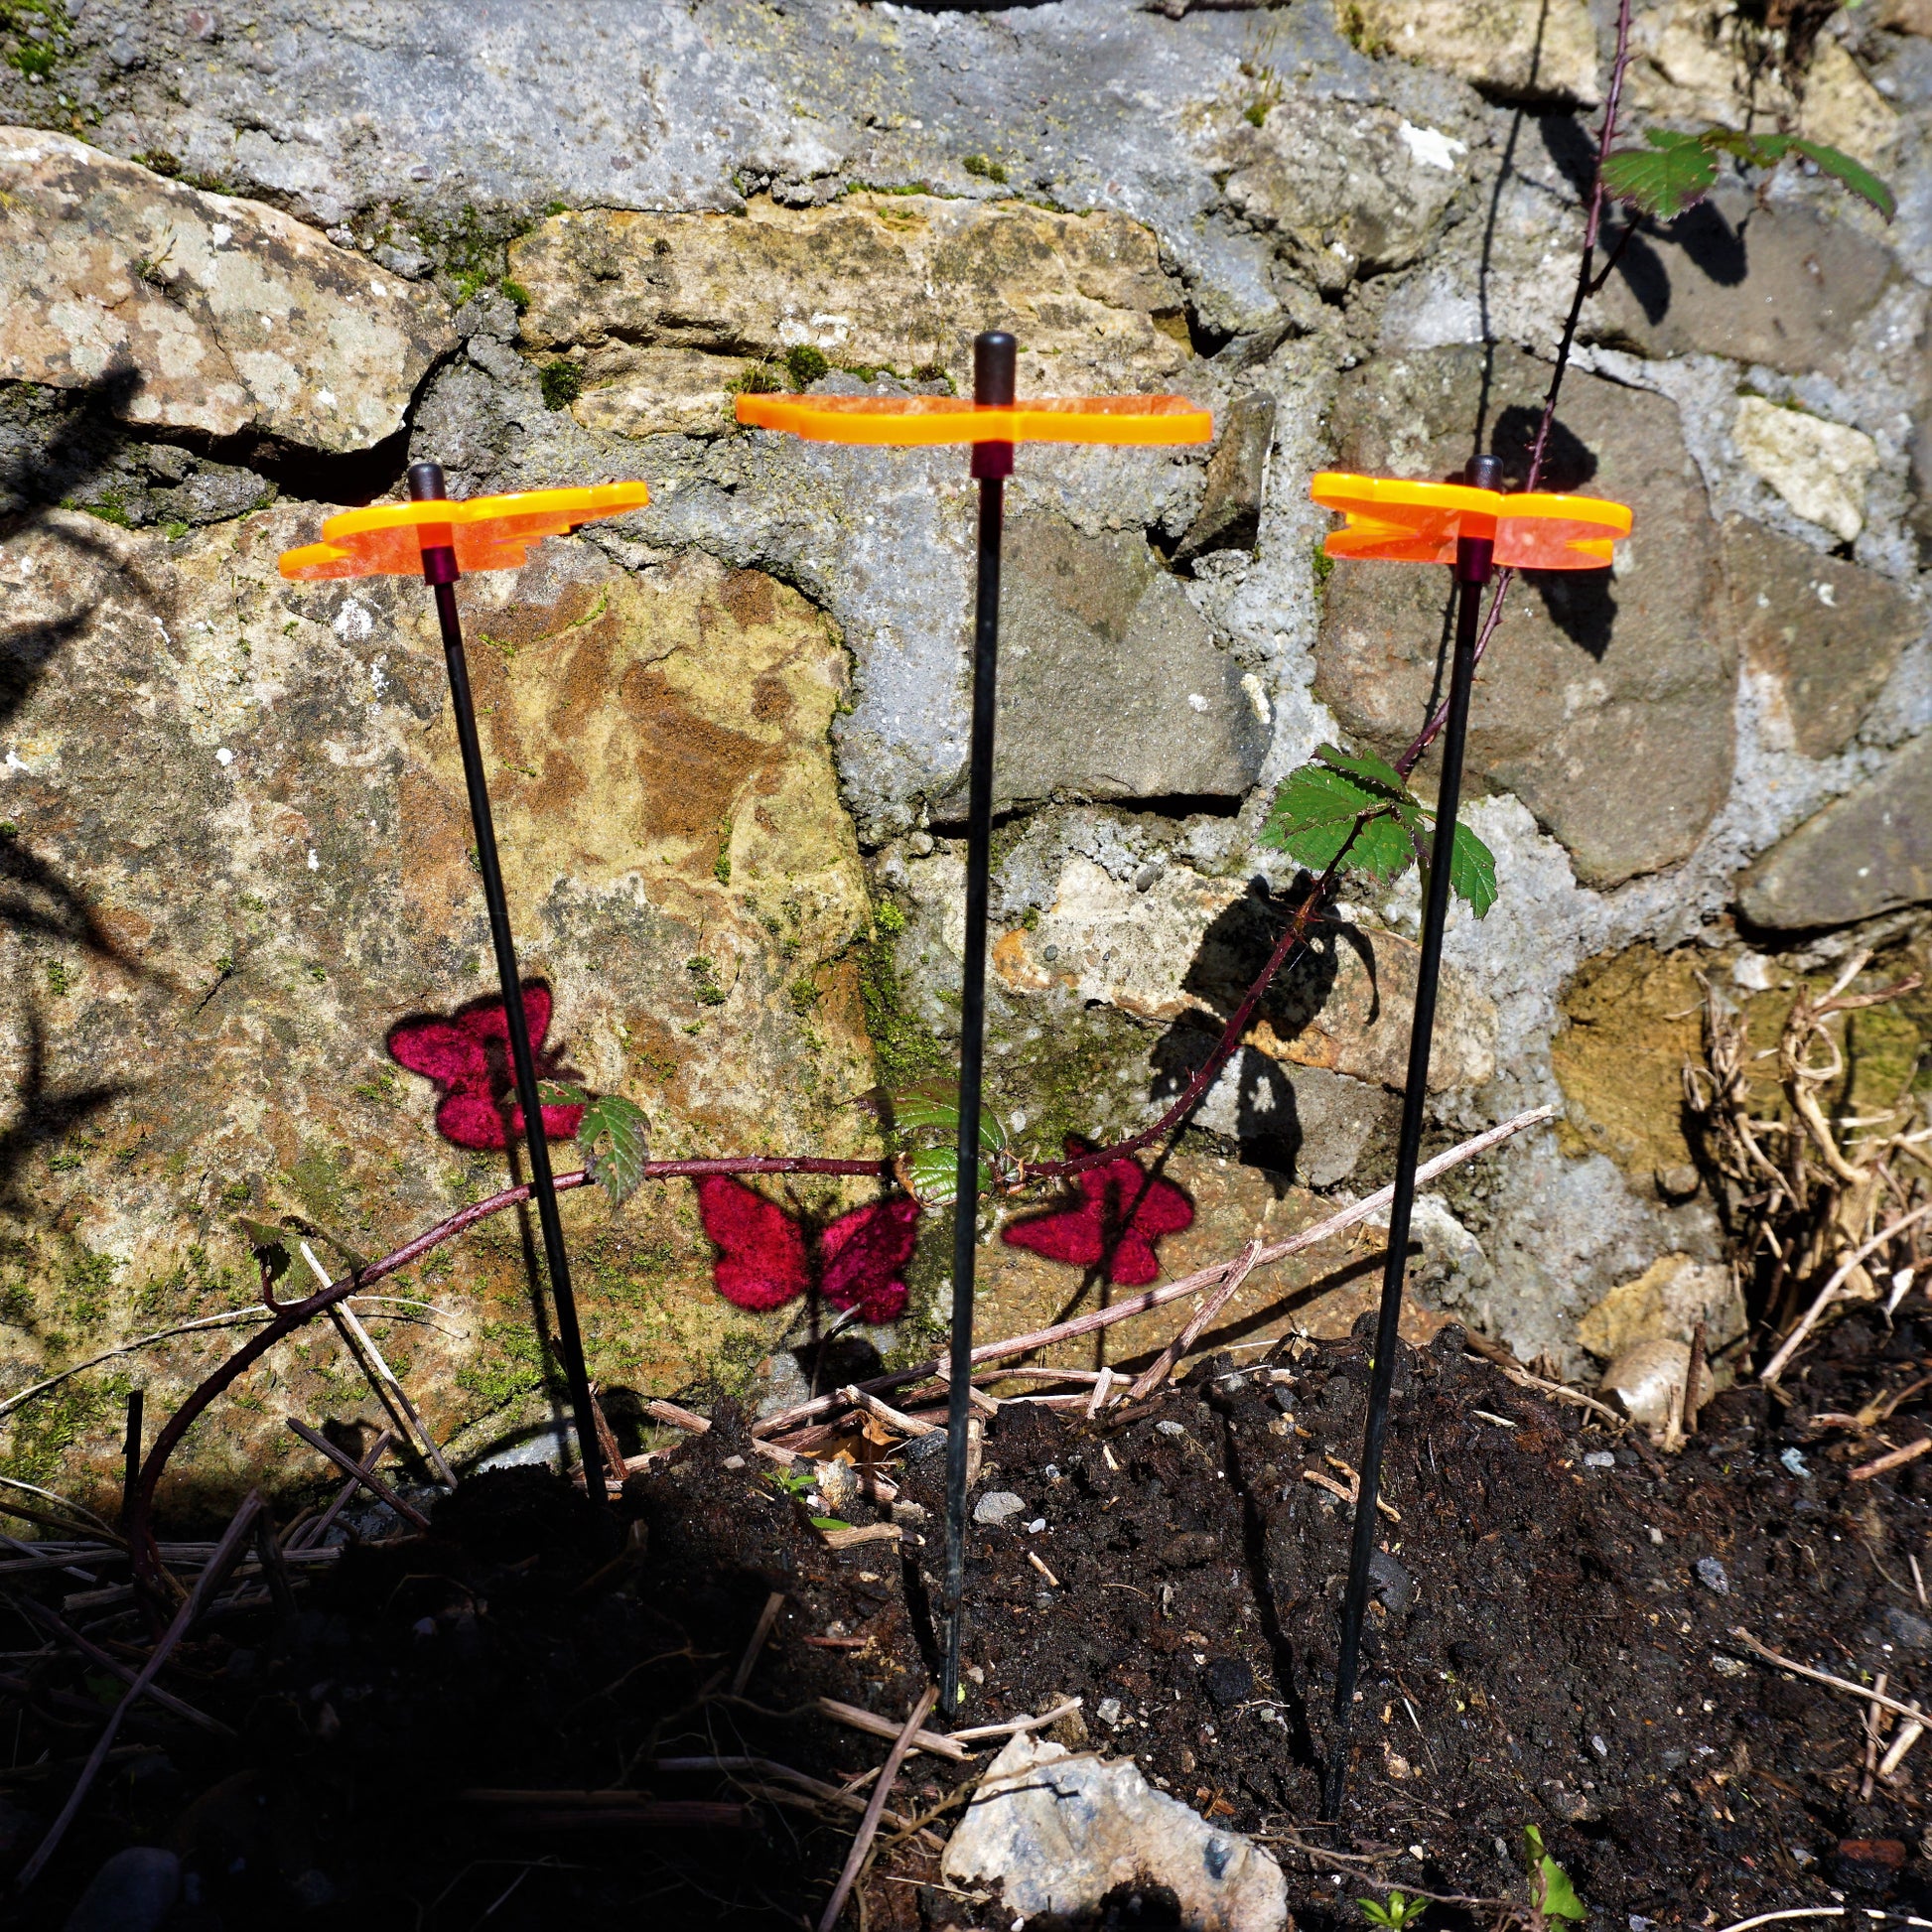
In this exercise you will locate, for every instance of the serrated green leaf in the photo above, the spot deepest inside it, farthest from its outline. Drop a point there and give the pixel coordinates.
(934, 1175)
(1472, 871)
(1854, 175)
(1676, 171)
(913, 1113)
(614, 1135)
(1753, 150)
(268, 1244)
(1373, 771)
(560, 1093)
(1315, 812)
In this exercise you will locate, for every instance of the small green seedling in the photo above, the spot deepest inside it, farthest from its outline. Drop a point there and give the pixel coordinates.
(1552, 1895)
(1393, 1914)
(798, 1485)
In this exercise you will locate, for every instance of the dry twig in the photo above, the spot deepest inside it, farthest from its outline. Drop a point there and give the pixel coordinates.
(868, 1825)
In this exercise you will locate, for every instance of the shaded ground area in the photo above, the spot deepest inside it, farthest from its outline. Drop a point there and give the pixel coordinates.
(1551, 1644)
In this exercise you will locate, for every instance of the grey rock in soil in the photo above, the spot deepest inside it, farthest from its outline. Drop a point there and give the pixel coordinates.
(1780, 286)
(1712, 1576)
(134, 1891)
(1827, 634)
(1059, 1832)
(1111, 684)
(998, 1507)
(1607, 702)
(1914, 1632)
(1866, 853)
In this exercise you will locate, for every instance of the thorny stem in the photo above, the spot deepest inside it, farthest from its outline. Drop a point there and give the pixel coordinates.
(1586, 287)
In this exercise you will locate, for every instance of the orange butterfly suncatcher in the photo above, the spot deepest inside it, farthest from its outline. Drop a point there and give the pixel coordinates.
(486, 532)
(912, 420)
(1419, 523)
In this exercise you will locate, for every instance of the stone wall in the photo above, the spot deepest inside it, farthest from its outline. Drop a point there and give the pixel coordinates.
(257, 261)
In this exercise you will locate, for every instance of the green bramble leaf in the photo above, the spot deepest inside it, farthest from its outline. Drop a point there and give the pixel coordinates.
(1678, 171)
(1377, 773)
(561, 1093)
(1853, 174)
(913, 1113)
(934, 1173)
(614, 1135)
(1472, 871)
(1683, 168)
(1317, 811)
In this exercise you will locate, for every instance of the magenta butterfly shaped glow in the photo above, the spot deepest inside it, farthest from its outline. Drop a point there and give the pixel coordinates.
(764, 1260)
(468, 1056)
(1119, 1217)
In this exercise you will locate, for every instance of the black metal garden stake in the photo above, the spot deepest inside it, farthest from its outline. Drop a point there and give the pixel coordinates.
(993, 422)
(440, 572)
(994, 365)
(1474, 565)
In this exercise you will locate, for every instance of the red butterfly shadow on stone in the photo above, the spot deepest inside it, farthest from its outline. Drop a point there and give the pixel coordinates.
(468, 1056)
(764, 1260)
(1120, 1215)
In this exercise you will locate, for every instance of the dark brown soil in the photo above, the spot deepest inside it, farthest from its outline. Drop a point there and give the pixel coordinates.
(1551, 1644)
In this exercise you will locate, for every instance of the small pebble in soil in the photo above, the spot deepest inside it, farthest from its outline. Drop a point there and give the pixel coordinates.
(1169, 1428)
(1712, 1574)
(1599, 1459)
(1108, 1710)
(1911, 1631)
(1598, 1746)
(1393, 1583)
(1035, 1526)
(1794, 1461)
(1228, 1681)
(997, 1505)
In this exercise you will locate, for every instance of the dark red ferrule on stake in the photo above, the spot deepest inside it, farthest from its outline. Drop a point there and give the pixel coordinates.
(1474, 563)
(440, 572)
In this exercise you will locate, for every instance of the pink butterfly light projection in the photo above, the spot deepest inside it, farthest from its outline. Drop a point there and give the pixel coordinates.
(764, 1261)
(467, 1055)
(1121, 1215)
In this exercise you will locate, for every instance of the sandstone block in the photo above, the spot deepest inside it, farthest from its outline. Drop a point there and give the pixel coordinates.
(1824, 632)
(1819, 469)
(1606, 701)
(1517, 50)
(243, 802)
(1866, 853)
(666, 309)
(189, 311)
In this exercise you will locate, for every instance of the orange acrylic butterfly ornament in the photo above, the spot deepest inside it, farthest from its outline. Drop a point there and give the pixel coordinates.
(1397, 521)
